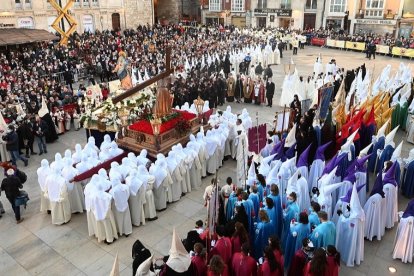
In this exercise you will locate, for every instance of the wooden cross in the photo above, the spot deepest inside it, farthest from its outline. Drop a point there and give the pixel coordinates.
(133, 90)
(64, 13)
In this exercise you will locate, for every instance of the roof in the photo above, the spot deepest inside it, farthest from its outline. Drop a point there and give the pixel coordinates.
(15, 36)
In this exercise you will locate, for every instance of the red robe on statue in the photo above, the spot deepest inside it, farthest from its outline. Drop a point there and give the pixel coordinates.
(243, 265)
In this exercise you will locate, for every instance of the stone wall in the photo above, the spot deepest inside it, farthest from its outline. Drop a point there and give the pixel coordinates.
(169, 10)
(138, 12)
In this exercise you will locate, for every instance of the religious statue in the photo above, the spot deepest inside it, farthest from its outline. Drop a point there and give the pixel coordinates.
(122, 71)
(162, 106)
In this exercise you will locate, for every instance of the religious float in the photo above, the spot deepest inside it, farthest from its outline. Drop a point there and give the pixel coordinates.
(142, 117)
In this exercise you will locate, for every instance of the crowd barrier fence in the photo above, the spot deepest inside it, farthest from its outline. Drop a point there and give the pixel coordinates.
(360, 46)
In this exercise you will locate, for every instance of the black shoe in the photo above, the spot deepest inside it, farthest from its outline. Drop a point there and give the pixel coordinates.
(40, 153)
(26, 162)
(33, 153)
(27, 156)
(2, 211)
(45, 151)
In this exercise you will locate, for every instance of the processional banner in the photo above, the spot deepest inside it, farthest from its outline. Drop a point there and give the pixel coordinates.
(325, 95)
(257, 138)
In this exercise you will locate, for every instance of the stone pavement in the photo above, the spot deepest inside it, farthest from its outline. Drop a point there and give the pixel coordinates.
(36, 247)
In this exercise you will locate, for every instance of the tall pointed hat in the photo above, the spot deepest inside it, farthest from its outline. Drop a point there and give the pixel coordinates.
(303, 158)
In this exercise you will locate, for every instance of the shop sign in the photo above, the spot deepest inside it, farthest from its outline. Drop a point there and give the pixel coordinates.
(278, 12)
(376, 21)
(25, 22)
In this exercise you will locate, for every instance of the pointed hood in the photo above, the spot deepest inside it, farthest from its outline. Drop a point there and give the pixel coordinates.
(328, 189)
(178, 260)
(303, 158)
(115, 267)
(356, 209)
(251, 175)
(320, 151)
(291, 186)
(290, 138)
(389, 139)
(371, 118)
(144, 268)
(43, 109)
(389, 177)
(281, 152)
(365, 150)
(377, 189)
(409, 211)
(349, 141)
(291, 151)
(331, 164)
(327, 178)
(360, 163)
(276, 147)
(381, 131)
(350, 177)
(347, 198)
(264, 167)
(338, 161)
(397, 152)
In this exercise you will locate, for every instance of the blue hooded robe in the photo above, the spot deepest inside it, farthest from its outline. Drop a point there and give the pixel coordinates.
(294, 240)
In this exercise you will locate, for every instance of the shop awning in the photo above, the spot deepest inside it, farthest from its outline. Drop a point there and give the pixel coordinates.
(22, 36)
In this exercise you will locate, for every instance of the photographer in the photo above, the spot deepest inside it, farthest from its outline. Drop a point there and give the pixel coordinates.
(12, 140)
(11, 185)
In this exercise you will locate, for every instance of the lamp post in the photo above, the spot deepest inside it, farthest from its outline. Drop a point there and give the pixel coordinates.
(156, 125)
(199, 104)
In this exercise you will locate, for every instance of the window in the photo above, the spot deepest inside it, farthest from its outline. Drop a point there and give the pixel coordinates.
(77, 4)
(262, 4)
(285, 4)
(27, 4)
(237, 5)
(337, 6)
(311, 4)
(215, 5)
(86, 3)
(18, 4)
(95, 3)
(374, 8)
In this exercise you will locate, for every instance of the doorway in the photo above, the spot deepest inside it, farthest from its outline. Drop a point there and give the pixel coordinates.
(309, 21)
(116, 22)
(261, 22)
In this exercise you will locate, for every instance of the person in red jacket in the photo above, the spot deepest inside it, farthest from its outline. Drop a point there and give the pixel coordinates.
(198, 260)
(334, 260)
(217, 267)
(318, 266)
(242, 263)
(270, 266)
(301, 257)
(274, 243)
(240, 236)
(222, 246)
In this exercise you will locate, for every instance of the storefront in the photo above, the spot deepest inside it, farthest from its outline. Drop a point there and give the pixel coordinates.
(25, 22)
(378, 26)
(238, 20)
(87, 23)
(214, 18)
(273, 18)
(333, 23)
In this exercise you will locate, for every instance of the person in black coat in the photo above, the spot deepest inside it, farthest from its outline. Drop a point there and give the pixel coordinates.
(41, 131)
(226, 66)
(238, 92)
(12, 145)
(11, 185)
(270, 91)
(140, 254)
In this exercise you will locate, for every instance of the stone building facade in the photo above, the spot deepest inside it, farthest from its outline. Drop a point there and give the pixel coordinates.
(90, 14)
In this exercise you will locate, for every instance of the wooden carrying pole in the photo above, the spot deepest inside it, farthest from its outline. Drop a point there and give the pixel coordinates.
(135, 89)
